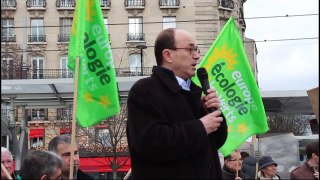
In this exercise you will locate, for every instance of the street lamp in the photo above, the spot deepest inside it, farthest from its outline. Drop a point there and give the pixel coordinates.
(141, 46)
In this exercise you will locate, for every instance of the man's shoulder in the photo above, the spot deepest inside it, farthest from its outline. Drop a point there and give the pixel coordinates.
(83, 175)
(297, 169)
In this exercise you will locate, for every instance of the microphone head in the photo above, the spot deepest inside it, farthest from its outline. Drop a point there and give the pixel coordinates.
(202, 73)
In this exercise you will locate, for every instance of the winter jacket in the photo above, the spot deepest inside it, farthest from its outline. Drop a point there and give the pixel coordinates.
(165, 136)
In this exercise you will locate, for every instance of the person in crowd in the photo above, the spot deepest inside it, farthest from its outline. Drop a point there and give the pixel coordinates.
(249, 165)
(308, 170)
(267, 169)
(170, 132)
(41, 165)
(7, 161)
(244, 154)
(61, 145)
(231, 169)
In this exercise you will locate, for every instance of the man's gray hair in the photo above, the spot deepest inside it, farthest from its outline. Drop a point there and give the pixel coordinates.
(38, 163)
(60, 139)
(5, 150)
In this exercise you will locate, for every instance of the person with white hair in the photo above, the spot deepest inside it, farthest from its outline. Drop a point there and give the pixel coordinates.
(7, 161)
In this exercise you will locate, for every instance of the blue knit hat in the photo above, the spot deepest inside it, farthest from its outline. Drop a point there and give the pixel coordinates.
(266, 161)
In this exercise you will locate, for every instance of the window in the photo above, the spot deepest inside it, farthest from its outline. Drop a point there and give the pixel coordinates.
(66, 3)
(7, 30)
(135, 29)
(37, 67)
(135, 2)
(65, 114)
(36, 3)
(8, 3)
(227, 4)
(7, 68)
(37, 31)
(37, 114)
(36, 142)
(135, 62)
(169, 22)
(169, 2)
(104, 137)
(105, 3)
(65, 29)
(65, 71)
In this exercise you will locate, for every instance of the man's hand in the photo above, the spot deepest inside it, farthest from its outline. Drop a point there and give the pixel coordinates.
(316, 174)
(211, 100)
(211, 121)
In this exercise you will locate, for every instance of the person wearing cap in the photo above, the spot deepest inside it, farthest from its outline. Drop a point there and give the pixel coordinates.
(267, 168)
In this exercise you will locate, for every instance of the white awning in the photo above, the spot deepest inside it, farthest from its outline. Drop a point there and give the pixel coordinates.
(46, 93)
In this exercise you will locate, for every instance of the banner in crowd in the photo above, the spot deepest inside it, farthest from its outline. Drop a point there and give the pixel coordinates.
(97, 86)
(230, 74)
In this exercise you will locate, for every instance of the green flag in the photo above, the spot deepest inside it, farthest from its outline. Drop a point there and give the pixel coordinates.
(97, 87)
(230, 74)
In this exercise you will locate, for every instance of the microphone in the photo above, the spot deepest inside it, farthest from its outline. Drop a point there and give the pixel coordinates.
(203, 78)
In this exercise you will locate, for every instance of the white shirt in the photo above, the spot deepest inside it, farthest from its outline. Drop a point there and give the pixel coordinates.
(184, 84)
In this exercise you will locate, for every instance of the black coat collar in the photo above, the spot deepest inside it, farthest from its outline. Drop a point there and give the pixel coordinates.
(168, 78)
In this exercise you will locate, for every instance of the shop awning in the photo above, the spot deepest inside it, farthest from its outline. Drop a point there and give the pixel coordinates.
(34, 133)
(65, 130)
(101, 164)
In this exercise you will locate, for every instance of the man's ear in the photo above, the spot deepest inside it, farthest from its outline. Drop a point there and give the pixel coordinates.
(167, 56)
(44, 177)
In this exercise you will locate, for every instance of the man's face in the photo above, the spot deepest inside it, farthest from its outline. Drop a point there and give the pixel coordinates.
(7, 162)
(235, 162)
(64, 150)
(184, 61)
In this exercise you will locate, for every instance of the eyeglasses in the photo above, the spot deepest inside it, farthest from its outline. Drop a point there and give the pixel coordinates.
(192, 50)
(7, 161)
(235, 159)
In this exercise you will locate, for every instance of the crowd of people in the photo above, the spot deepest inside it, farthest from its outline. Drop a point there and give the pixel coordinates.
(55, 164)
(42, 164)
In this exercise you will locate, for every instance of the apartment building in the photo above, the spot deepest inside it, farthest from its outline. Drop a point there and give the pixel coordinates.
(34, 46)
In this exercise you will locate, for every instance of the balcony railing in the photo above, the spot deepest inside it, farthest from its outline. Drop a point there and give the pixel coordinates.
(63, 37)
(36, 38)
(226, 4)
(169, 2)
(36, 3)
(11, 38)
(135, 37)
(105, 3)
(8, 3)
(17, 73)
(134, 3)
(65, 3)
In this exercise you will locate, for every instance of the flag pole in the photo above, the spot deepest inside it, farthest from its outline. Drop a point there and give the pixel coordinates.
(74, 118)
(3, 169)
(237, 168)
(127, 175)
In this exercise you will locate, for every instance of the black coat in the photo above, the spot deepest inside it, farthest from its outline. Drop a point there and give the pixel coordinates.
(82, 176)
(165, 136)
(228, 174)
(249, 167)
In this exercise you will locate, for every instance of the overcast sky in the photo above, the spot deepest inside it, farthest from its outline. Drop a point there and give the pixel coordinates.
(285, 65)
